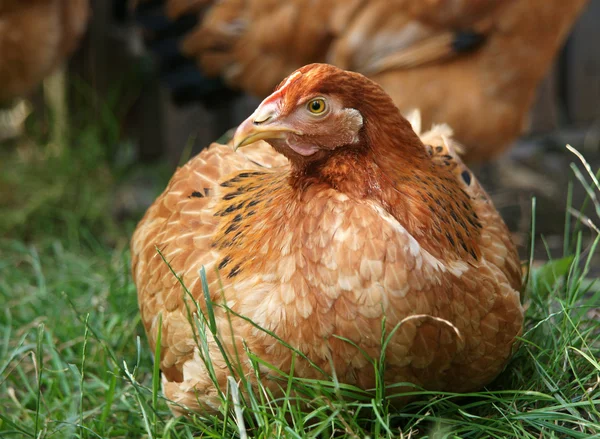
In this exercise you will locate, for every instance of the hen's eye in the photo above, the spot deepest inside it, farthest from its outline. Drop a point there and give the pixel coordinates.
(317, 106)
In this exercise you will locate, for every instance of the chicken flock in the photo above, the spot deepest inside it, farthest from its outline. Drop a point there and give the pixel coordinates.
(472, 64)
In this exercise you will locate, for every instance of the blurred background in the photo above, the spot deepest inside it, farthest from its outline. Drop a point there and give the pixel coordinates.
(91, 146)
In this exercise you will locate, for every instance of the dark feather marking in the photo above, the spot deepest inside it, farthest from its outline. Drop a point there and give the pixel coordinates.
(229, 209)
(226, 260)
(232, 228)
(197, 194)
(250, 174)
(232, 195)
(473, 222)
(467, 40)
(234, 271)
(466, 176)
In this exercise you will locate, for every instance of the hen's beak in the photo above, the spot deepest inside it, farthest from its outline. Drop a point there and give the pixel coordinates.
(261, 125)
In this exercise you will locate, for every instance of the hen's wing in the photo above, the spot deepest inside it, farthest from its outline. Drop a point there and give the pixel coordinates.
(495, 240)
(490, 315)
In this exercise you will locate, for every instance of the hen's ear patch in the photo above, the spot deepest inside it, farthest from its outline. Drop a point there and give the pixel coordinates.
(354, 122)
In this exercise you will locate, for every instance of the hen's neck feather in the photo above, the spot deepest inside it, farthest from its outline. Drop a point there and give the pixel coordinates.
(392, 167)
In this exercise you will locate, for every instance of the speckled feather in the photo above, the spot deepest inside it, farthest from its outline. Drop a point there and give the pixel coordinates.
(314, 260)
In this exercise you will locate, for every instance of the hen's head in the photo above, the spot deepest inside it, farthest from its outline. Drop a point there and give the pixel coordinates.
(321, 110)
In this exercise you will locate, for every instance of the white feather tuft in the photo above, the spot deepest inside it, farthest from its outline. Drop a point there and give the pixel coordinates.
(439, 134)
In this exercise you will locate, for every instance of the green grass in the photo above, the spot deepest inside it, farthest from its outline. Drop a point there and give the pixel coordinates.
(74, 362)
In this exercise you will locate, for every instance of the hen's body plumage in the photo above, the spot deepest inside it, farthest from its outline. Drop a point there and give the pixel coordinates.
(448, 58)
(35, 37)
(319, 248)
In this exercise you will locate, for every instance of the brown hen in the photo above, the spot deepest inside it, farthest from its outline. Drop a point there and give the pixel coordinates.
(35, 37)
(449, 58)
(361, 222)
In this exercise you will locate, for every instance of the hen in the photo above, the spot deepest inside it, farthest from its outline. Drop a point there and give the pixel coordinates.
(360, 222)
(448, 58)
(35, 36)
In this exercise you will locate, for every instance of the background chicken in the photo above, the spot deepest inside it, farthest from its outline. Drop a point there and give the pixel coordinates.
(35, 37)
(475, 54)
(364, 221)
